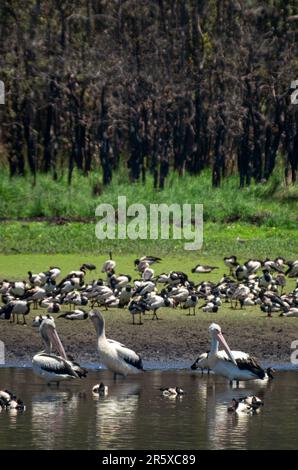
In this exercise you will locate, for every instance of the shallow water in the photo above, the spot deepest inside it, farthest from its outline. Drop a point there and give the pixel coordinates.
(136, 416)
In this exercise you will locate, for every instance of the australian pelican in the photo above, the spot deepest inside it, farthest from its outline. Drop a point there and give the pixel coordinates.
(51, 367)
(115, 356)
(234, 367)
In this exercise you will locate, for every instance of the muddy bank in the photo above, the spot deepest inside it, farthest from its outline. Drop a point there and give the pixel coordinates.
(175, 338)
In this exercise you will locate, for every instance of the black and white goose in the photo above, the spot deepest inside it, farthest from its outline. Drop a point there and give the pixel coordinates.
(125, 296)
(37, 279)
(100, 389)
(54, 272)
(148, 274)
(248, 405)
(88, 266)
(203, 269)
(18, 289)
(9, 401)
(74, 315)
(5, 397)
(15, 308)
(142, 263)
(50, 304)
(265, 279)
(36, 294)
(272, 265)
(117, 282)
(115, 356)
(109, 265)
(231, 262)
(138, 307)
(253, 265)
(51, 367)
(171, 391)
(191, 303)
(292, 270)
(241, 272)
(156, 302)
(5, 287)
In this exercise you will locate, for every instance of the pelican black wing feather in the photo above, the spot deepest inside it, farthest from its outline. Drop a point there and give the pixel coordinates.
(252, 365)
(81, 371)
(58, 366)
(137, 363)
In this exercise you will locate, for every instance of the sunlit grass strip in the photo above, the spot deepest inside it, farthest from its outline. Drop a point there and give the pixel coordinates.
(270, 205)
(42, 237)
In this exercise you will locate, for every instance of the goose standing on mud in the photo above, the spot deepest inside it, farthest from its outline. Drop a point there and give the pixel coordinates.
(244, 367)
(191, 302)
(51, 367)
(15, 308)
(115, 356)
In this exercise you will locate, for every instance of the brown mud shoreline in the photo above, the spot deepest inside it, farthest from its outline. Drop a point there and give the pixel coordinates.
(175, 338)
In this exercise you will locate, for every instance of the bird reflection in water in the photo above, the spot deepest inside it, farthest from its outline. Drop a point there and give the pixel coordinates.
(116, 414)
(50, 412)
(231, 429)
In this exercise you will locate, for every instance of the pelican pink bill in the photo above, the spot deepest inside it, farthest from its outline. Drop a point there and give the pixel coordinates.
(244, 367)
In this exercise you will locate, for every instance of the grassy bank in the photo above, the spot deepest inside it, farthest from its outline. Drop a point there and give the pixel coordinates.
(270, 205)
(52, 217)
(74, 237)
(176, 337)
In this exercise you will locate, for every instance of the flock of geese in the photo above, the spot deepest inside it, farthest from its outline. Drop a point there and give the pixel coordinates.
(254, 282)
(243, 285)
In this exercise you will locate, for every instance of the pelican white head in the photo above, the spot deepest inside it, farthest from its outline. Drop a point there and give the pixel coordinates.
(216, 335)
(98, 321)
(50, 336)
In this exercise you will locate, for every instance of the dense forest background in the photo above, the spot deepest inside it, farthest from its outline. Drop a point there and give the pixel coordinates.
(160, 86)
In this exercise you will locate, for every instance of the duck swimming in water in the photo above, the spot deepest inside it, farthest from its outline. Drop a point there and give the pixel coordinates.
(171, 391)
(100, 389)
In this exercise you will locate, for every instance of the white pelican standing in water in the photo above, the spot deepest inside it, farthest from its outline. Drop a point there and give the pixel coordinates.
(239, 367)
(115, 356)
(51, 367)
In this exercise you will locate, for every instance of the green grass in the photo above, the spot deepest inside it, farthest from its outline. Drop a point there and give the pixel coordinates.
(15, 267)
(265, 215)
(270, 205)
(43, 237)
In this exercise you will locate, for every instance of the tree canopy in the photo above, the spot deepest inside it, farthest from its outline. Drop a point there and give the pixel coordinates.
(161, 85)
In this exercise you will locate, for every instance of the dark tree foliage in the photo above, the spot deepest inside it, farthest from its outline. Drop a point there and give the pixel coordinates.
(162, 85)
